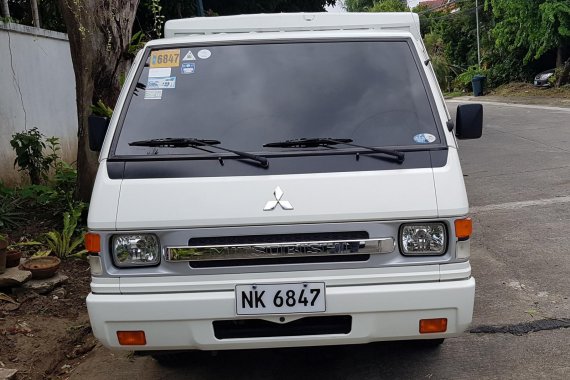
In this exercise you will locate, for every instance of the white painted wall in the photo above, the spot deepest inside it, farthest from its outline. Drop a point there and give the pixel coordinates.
(37, 89)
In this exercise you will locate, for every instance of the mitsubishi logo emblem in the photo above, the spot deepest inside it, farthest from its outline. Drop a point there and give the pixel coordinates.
(278, 194)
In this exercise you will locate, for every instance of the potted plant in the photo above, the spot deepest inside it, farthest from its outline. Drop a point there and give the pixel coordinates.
(98, 122)
(15, 252)
(42, 267)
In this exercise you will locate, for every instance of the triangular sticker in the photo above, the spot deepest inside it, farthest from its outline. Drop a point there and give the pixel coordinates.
(189, 56)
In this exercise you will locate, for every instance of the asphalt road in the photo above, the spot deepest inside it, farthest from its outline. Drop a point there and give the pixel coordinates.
(518, 180)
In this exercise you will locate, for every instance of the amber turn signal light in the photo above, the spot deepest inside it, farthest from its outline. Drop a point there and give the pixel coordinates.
(131, 338)
(436, 325)
(93, 242)
(463, 228)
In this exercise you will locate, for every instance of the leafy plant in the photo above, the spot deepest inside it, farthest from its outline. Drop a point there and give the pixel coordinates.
(10, 216)
(463, 80)
(31, 157)
(42, 253)
(137, 43)
(101, 109)
(64, 244)
(158, 18)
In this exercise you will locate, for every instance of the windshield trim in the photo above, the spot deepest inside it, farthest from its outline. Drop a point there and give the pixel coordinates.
(276, 154)
(425, 83)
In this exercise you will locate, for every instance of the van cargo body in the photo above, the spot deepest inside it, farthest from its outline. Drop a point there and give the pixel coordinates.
(277, 181)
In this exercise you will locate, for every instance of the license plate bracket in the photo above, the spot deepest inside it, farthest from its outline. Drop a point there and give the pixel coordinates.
(283, 298)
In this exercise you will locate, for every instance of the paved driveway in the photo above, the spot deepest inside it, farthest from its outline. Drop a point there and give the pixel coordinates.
(518, 180)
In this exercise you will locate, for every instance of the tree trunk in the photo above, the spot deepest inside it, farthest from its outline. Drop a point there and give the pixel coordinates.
(562, 67)
(5, 9)
(563, 74)
(99, 33)
(35, 13)
(559, 57)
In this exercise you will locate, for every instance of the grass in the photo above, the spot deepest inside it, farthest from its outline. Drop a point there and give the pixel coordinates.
(454, 94)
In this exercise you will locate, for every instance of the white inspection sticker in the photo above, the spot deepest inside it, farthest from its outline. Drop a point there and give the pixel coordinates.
(157, 83)
(424, 138)
(204, 54)
(159, 72)
(153, 94)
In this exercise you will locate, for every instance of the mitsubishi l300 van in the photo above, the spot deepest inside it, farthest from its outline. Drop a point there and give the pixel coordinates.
(281, 180)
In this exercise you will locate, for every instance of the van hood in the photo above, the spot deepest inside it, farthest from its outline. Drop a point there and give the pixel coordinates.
(279, 199)
(162, 203)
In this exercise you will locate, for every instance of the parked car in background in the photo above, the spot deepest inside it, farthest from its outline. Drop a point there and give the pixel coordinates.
(541, 79)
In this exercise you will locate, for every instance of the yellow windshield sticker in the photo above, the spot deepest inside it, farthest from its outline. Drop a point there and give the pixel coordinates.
(165, 58)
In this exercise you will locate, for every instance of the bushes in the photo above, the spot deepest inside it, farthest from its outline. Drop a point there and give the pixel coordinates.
(463, 81)
(45, 210)
(31, 156)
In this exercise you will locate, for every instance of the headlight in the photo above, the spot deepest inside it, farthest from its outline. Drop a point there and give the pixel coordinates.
(136, 250)
(423, 239)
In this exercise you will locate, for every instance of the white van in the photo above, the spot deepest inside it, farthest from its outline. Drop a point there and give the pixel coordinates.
(281, 180)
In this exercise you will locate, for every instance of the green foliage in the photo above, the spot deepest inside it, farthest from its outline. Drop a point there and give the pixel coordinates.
(101, 109)
(358, 5)
(389, 6)
(463, 80)
(50, 17)
(53, 181)
(42, 253)
(10, 214)
(444, 70)
(65, 243)
(158, 18)
(376, 6)
(59, 191)
(34, 153)
(137, 43)
(536, 26)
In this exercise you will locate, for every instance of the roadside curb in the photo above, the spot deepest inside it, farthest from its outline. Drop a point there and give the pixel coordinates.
(506, 104)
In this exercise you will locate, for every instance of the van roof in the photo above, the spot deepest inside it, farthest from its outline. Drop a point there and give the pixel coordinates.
(295, 22)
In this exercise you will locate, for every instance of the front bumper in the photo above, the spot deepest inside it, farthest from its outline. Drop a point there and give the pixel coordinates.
(541, 83)
(178, 321)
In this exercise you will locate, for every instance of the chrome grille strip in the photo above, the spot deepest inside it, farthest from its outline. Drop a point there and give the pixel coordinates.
(279, 250)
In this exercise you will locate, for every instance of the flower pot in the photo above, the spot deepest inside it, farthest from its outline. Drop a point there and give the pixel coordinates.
(13, 258)
(41, 267)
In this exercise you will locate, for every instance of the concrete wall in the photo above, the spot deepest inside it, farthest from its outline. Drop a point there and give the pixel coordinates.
(37, 89)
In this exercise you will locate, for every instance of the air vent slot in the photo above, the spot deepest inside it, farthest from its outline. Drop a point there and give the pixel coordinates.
(259, 328)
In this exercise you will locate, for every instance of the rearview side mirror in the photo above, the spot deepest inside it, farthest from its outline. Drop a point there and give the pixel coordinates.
(97, 129)
(469, 121)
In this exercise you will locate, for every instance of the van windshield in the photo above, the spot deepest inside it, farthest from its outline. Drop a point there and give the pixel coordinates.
(246, 96)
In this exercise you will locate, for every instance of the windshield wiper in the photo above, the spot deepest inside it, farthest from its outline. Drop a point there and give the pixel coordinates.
(327, 142)
(184, 142)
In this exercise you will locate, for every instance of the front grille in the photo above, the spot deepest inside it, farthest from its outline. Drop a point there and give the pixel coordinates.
(282, 238)
(279, 261)
(279, 249)
(259, 328)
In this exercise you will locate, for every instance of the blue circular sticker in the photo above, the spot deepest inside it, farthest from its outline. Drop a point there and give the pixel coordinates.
(424, 138)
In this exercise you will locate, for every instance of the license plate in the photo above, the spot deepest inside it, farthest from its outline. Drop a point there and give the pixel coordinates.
(308, 297)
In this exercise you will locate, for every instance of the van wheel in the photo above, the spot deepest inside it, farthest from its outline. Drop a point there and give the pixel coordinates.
(172, 359)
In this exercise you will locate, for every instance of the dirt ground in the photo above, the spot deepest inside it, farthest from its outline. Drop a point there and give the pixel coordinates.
(45, 336)
(528, 90)
(521, 93)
